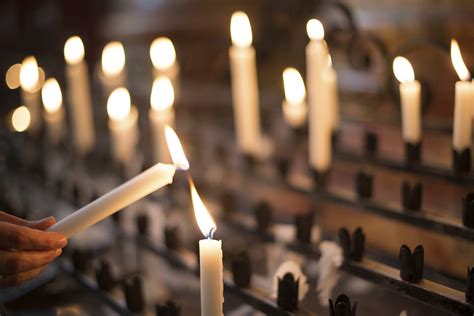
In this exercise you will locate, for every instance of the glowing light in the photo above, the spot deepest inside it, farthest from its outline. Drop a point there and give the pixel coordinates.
(29, 74)
(403, 70)
(458, 62)
(162, 94)
(74, 50)
(113, 59)
(119, 104)
(240, 29)
(12, 76)
(315, 29)
(295, 92)
(51, 95)
(176, 149)
(203, 218)
(162, 53)
(21, 119)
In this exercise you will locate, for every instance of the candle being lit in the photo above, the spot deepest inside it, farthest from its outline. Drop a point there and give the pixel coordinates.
(113, 66)
(244, 85)
(79, 96)
(20, 119)
(29, 82)
(294, 106)
(54, 112)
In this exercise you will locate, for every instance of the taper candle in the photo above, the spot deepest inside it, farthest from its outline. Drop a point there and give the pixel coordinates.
(294, 106)
(29, 82)
(163, 58)
(330, 84)
(113, 66)
(53, 110)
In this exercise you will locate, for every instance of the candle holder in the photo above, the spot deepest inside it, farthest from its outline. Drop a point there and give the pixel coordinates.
(363, 185)
(142, 224)
(352, 250)
(411, 196)
(320, 178)
(342, 306)
(172, 240)
(470, 285)
(287, 297)
(242, 269)
(411, 265)
(80, 260)
(461, 161)
(412, 154)
(370, 144)
(263, 216)
(468, 210)
(134, 295)
(304, 227)
(104, 277)
(170, 308)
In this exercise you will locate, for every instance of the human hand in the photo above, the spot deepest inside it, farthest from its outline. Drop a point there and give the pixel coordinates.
(26, 248)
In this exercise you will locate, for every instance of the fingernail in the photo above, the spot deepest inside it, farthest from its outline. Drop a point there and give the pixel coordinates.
(58, 252)
(61, 242)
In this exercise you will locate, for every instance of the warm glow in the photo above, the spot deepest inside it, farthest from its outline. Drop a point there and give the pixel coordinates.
(176, 149)
(12, 77)
(162, 94)
(113, 59)
(240, 29)
(162, 53)
(74, 50)
(29, 74)
(119, 104)
(21, 119)
(403, 70)
(203, 218)
(315, 29)
(51, 95)
(457, 61)
(295, 92)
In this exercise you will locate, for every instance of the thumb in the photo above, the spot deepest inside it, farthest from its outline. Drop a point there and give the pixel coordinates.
(42, 224)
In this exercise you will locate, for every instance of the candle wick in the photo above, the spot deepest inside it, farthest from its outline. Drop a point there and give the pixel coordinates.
(211, 233)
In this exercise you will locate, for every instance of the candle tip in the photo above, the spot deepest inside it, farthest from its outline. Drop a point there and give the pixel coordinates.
(176, 149)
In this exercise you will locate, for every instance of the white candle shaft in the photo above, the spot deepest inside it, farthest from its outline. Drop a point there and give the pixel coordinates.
(81, 107)
(158, 120)
(211, 276)
(136, 188)
(124, 136)
(245, 98)
(463, 104)
(411, 111)
(32, 101)
(330, 79)
(54, 125)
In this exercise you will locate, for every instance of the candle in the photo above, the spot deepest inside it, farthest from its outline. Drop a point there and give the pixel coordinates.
(319, 116)
(244, 85)
(410, 100)
(54, 112)
(163, 58)
(123, 119)
(294, 106)
(113, 66)
(161, 113)
(79, 96)
(210, 257)
(463, 102)
(330, 84)
(29, 82)
(20, 119)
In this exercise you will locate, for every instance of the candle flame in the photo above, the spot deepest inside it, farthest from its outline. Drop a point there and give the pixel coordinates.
(176, 149)
(162, 94)
(119, 104)
(315, 29)
(203, 218)
(293, 84)
(240, 29)
(162, 53)
(458, 62)
(21, 119)
(74, 50)
(51, 95)
(113, 59)
(12, 76)
(403, 70)
(29, 74)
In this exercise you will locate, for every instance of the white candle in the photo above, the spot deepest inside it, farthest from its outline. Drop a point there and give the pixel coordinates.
(319, 116)
(54, 111)
(29, 82)
(463, 102)
(294, 106)
(79, 96)
(161, 113)
(123, 119)
(210, 257)
(163, 58)
(113, 66)
(410, 100)
(330, 83)
(244, 85)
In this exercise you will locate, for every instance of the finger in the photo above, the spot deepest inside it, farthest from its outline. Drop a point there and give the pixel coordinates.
(17, 279)
(25, 238)
(14, 262)
(5, 217)
(42, 224)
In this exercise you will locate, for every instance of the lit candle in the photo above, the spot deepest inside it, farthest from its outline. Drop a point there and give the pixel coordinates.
(210, 257)
(463, 102)
(161, 113)
(244, 85)
(332, 99)
(123, 119)
(79, 96)
(410, 100)
(294, 106)
(319, 116)
(113, 66)
(163, 58)
(54, 111)
(29, 82)
(20, 119)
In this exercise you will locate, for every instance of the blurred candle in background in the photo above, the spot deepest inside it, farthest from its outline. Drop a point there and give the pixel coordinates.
(113, 66)
(330, 85)
(29, 82)
(20, 119)
(294, 106)
(53, 110)
(79, 97)
(163, 58)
